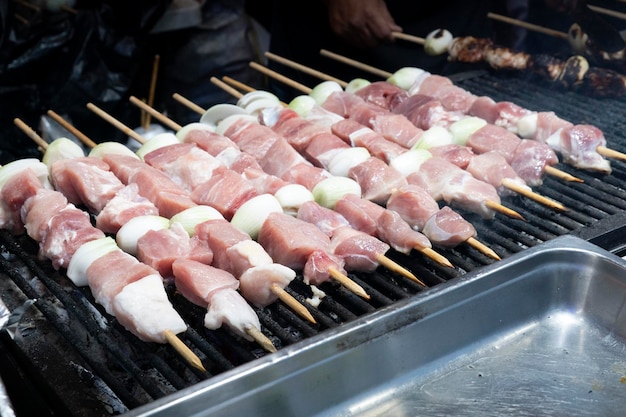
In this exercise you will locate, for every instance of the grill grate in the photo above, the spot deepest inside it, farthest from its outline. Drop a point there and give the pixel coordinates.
(91, 366)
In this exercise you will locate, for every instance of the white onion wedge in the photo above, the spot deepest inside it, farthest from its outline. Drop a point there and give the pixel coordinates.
(356, 84)
(61, 148)
(302, 105)
(321, 91)
(111, 148)
(327, 192)
(219, 112)
(19, 165)
(292, 196)
(227, 122)
(191, 217)
(527, 125)
(85, 255)
(405, 77)
(410, 161)
(250, 216)
(434, 136)
(159, 141)
(437, 42)
(128, 235)
(184, 131)
(258, 106)
(252, 96)
(462, 129)
(343, 160)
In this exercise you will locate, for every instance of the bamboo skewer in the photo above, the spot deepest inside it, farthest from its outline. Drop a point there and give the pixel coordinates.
(170, 336)
(529, 26)
(70, 128)
(607, 12)
(153, 80)
(498, 207)
(356, 64)
(409, 38)
(388, 263)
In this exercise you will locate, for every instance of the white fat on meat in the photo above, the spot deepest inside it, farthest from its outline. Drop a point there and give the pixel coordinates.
(578, 147)
(256, 282)
(228, 307)
(325, 219)
(125, 205)
(447, 228)
(246, 254)
(143, 308)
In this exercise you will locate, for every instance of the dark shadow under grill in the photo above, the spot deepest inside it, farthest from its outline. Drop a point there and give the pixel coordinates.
(74, 360)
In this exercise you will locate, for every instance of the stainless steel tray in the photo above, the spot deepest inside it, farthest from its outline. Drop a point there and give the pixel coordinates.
(540, 333)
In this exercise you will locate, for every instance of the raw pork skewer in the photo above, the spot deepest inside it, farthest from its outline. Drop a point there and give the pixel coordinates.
(274, 288)
(231, 146)
(61, 230)
(584, 157)
(547, 168)
(86, 190)
(472, 241)
(334, 272)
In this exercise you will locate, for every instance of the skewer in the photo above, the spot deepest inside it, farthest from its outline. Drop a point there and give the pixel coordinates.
(155, 71)
(261, 339)
(383, 260)
(407, 37)
(481, 247)
(241, 86)
(171, 338)
(282, 294)
(509, 184)
(550, 170)
(526, 25)
(70, 128)
(607, 12)
(306, 90)
(428, 252)
(190, 104)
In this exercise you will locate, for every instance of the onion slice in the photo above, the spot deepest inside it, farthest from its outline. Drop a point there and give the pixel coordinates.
(292, 196)
(193, 216)
(330, 190)
(111, 148)
(84, 257)
(250, 216)
(128, 235)
(437, 42)
(61, 148)
(159, 141)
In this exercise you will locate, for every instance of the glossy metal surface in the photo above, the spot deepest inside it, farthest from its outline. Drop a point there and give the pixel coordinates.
(540, 333)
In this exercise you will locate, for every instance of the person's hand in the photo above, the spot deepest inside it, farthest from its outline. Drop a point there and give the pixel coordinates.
(361, 23)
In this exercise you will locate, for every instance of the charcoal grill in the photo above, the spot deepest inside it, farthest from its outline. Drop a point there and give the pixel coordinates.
(69, 358)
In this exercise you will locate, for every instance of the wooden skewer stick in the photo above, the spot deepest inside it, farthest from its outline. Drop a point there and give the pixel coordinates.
(304, 69)
(515, 187)
(70, 128)
(294, 304)
(608, 12)
(476, 244)
(153, 80)
(116, 123)
(28, 5)
(348, 283)
(183, 350)
(395, 267)
(529, 26)
(562, 175)
(171, 338)
(156, 114)
(190, 104)
(261, 339)
(409, 38)
(237, 84)
(610, 153)
(356, 64)
(306, 90)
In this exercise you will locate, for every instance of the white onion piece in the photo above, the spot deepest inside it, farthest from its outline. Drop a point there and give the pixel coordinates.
(577, 39)
(527, 125)
(410, 161)
(193, 216)
(250, 216)
(405, 77)
(437, 42)
(248, 98)
(128, 235)
(159, 141)
(19, 165)
(302, 105)
(462, 129)
(84, 257)
(292, 196)
(227, 122)
(111, 148)
(356, 84)
(435, 136)
(327, 192)
(343, 160)
(257, 106)
(185, 130)
(219, 112)
(61, 148)
(321, 91)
